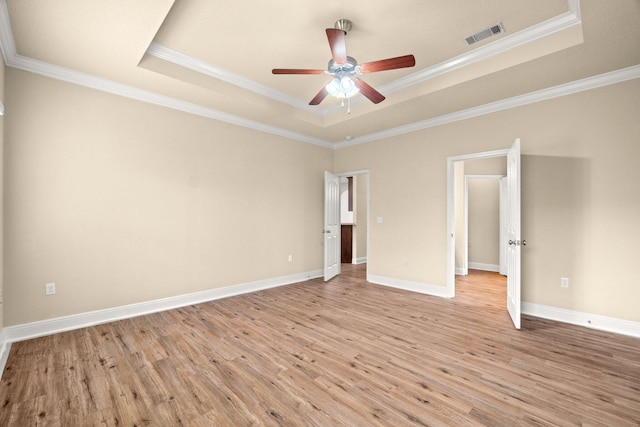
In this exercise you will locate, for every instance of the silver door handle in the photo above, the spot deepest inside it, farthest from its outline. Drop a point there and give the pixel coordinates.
(326, 231)
(518, 242)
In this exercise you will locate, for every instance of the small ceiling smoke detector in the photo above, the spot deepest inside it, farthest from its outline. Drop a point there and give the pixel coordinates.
(484, 34)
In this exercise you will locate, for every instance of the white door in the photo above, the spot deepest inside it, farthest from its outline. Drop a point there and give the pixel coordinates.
(514, 245)
(503, 226)
(331, 225)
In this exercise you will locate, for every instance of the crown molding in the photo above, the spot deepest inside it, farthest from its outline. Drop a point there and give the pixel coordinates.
(110, 86)
(178, 58)
(12, 59)
(505, 44)
(7, 44)
(589, 83)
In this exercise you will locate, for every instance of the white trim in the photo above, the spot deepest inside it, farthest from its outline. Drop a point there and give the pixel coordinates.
(588, 83)
(12, 59)
(7, 44)
(82, 320)
(1, 109)
(194, 64)
(361, 260)
(110, 86)
(5, 348)
(594, 321)
(407, 285)
(460, 271)
(551, 26)
(484, 267)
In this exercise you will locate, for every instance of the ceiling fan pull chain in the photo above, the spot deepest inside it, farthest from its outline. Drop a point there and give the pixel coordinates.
(348, 105)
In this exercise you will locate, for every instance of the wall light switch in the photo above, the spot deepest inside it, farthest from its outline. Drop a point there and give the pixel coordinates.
(379, 220)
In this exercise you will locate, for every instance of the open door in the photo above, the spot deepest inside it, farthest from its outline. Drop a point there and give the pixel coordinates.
(513, 233)
(331, 225)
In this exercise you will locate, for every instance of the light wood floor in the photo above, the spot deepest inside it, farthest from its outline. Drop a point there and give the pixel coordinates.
(345, 353)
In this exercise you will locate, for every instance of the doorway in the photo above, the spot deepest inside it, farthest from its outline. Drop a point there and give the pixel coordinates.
(484, 229)
(456, 178)
(513, 224)
(355, 219)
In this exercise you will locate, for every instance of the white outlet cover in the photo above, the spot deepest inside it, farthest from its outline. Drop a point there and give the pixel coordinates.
(50, 289)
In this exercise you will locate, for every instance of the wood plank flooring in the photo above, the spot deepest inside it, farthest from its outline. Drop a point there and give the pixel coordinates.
(344, 353)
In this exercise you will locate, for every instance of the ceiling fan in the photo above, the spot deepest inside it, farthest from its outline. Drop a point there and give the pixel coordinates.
(345, 69)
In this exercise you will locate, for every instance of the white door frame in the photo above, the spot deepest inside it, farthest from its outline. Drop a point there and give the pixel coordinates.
(465, 261)
(451, 243)
(368, 177)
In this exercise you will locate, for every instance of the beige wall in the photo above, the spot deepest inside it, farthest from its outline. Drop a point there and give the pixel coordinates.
(360, 230)
(2, 98)
(580, 197)
(458, 215)
(484, 209)
(484, 220)
(119, 202)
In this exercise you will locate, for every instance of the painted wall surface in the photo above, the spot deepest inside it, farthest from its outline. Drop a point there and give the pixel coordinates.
(458, 215)
(484, 209)
(484, 220)
(2, 98)
(361, 214)
(579, 189)
(119, 202)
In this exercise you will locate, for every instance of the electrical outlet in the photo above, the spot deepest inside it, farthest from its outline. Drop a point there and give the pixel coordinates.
(564, 282)
(50, 289)
(290, 258)
(405, 262)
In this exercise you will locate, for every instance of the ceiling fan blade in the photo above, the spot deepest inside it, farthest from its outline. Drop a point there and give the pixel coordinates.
(319, 97)
(337, 45)
(295, 71)
(388, 64)
(373, 95)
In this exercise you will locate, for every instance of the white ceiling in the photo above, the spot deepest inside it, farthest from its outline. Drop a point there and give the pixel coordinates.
(214, 58)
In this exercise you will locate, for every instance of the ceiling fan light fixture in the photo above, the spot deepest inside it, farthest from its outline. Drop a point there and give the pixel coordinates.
(342, 87)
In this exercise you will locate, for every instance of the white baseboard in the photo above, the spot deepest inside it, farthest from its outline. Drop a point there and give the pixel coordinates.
(5, 347)
(594, 321)
(362, 260)
(407, 285)
(459, 271)
(82, 320)
(484, 267)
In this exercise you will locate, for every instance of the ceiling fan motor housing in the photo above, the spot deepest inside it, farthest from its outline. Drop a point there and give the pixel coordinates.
(348, 67)
(343, 24)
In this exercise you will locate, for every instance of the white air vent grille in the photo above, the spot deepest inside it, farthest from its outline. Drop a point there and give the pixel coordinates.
(485, 34)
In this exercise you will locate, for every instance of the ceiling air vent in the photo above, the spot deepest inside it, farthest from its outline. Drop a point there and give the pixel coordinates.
(484, 34)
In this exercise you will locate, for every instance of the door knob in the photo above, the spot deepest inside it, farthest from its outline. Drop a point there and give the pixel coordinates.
(518, 242)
